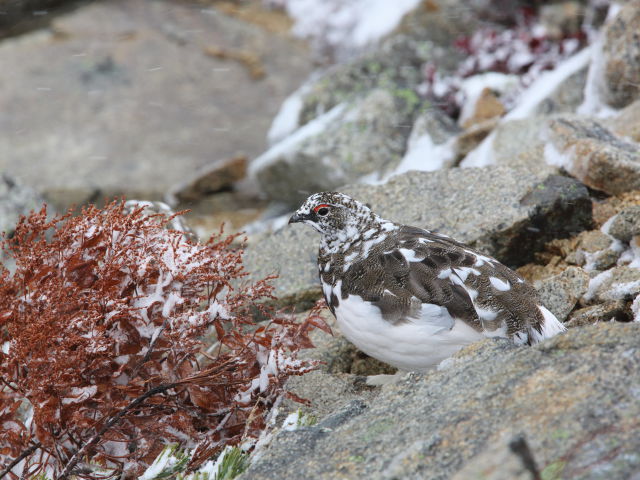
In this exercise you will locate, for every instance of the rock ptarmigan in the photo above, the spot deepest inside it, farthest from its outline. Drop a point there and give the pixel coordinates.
(411, 297)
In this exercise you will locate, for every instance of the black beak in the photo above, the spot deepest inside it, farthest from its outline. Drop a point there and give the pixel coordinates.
(295, 218)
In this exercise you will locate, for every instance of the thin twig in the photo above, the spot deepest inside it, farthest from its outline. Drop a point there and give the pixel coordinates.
(19, 458)
(73, 461)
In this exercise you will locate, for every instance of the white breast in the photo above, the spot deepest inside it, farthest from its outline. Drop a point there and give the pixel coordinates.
(414, 345)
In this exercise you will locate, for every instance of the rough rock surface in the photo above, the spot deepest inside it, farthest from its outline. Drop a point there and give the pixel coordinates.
(560, 293)
(568, 96)
(627, 122)
(572, 397)
(621, 51)
(618, 283)
(340, 147)
(594, 155)
(508, 213)
(626, 224)
(121, 97)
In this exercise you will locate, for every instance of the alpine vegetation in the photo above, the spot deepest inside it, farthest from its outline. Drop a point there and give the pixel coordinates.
(411, 297)
(103, 327)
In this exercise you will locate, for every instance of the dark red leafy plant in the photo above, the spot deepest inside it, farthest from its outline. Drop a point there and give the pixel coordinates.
(102, 359)
(524, 49)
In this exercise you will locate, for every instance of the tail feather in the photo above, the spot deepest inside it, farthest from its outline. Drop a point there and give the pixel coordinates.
(549, 327)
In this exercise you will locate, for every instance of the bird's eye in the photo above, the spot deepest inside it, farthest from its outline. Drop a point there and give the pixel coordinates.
(322, 210)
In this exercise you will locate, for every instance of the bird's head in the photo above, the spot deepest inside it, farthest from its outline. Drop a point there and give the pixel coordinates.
(338, 217)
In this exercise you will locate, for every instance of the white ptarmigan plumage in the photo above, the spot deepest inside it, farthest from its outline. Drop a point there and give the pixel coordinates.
(411, 297)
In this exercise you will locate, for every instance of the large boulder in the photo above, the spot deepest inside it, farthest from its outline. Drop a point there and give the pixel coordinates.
(592, 154)
(131, 97)
(620, 83)
(503, 211)
(569, 404)
(339, 147)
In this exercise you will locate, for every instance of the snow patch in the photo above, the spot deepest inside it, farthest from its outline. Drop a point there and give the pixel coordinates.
(287, 120)
(424, 155)
(286, 147)
(346, 27)
(80, 394)
(291, 422)
(482, 155)
(546, 83)
(595, 283)
(555, 157)
(593, 105)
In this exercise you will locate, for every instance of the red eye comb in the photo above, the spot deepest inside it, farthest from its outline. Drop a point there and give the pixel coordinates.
(322, 205)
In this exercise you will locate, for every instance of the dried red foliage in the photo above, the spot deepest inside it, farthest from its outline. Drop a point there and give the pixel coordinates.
(522, 49)
(101, 327)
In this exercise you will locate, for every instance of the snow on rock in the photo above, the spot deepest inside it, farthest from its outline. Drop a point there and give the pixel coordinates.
(547, 82)
(472, 87)
(527, 103)
(554, 157)
(482, 155)
(346, 27)
(423, 154)
(287, 120)
(288, 145)
(290, 423)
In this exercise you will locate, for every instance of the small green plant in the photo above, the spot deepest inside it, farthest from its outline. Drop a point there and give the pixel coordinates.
(234, 462)
(305, 419)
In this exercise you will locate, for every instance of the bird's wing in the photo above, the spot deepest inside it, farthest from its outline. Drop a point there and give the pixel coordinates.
(421, 270)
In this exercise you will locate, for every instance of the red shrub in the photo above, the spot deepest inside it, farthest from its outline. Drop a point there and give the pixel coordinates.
(101, 329)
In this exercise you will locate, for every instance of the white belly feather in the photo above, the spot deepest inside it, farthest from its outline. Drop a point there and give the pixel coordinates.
(414, 345)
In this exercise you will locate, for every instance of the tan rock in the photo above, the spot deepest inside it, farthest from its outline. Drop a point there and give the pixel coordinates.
(593, 155)
(487, 107)
(621, 51)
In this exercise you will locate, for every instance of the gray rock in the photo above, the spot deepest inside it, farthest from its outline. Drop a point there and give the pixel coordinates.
(327, 393)
(560, 293)
(567, 97)
(594, 250)
(16, 200)
(520, 143)
(593, 155)
(602, 312)
(506, 212)
(122, 97)
(626, 224)
(436, 123)
(20, 15)
(425, 34)
(504, 460)
(621, 50)
(340, 147)
(572, 397)
(626, 123)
